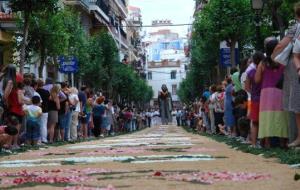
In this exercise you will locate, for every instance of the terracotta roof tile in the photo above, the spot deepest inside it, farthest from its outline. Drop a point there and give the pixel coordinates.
(5, 16)
(132, 8)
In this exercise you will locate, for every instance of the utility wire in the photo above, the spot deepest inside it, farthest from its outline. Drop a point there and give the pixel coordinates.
(143, 26)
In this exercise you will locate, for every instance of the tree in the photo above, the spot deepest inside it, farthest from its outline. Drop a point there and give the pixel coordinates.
(209, 30)
(28, 7)
(185, 90)
(49, 35)
(281, 13)
(103, 55)
(78, 39)
(129, 87)
(232, 21)
(232, 27)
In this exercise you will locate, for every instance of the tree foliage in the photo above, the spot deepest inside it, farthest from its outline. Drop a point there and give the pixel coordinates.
(49, 35)
(27, 8)
(129, 86)
(231, 21)
(280, 12)
(50, 32)
(103, 55)
(102, 70)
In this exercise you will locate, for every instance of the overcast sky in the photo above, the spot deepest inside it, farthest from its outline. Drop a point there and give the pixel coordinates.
(179, 11)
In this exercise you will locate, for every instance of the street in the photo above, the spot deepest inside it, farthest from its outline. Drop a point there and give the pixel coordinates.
(162, 157)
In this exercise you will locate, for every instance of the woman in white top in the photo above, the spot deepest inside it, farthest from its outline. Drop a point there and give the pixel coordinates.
(211, 106)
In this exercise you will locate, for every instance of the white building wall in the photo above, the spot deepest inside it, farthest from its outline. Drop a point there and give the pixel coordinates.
(162, 75)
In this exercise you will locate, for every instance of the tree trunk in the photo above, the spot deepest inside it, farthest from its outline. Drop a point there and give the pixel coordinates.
(232, 52)
(42, 63)
(56, 68)
(278, 21)
(24, 41)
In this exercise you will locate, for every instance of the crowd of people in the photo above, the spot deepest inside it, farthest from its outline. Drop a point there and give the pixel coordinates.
(35, 112)
(255, 103)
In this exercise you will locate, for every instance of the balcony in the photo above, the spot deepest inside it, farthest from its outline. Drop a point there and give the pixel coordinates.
(120, 38)
(122, 6)
(123, 33)
(83, 3)
(101, 7)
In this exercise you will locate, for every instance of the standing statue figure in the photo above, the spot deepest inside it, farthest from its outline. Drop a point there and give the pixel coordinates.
(165, 105)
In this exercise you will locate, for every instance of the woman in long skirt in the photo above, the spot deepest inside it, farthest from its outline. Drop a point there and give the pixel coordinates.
(273, 120)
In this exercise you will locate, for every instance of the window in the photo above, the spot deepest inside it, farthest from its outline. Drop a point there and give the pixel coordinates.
(174, 89)
(149, 75)
(173, 75)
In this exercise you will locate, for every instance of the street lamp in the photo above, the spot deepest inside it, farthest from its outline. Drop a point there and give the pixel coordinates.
(258, 6)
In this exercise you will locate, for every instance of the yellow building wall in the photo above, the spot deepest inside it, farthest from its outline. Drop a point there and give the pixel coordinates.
(6, 40)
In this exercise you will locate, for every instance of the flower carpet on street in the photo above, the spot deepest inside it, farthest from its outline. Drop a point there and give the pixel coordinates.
(163, 157)
(74, 177)
(122, 151)
(55, 176)
(212, 177)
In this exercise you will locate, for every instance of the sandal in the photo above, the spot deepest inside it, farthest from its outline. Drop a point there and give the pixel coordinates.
(296, 143)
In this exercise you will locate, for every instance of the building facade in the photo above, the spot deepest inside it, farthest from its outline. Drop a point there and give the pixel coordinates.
(7, 28)
(136, 53)
(166, 59)
(105, 15)
(111, 16)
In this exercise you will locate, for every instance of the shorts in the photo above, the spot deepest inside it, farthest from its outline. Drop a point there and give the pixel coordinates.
(32, 130)
(19, 117)
(53, 117)
(254, 112)
(84, 119)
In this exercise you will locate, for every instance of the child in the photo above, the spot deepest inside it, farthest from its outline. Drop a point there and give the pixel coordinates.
(244, 127)
(33, 113)
(200, 126)
(240, 113)
(6, 134)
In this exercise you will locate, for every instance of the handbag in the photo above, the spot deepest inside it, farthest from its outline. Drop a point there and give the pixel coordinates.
(284, 56)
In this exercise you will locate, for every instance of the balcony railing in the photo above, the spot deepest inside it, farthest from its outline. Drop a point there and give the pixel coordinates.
(123, 33)
(91, 4)
(122, 6)
(124, 2)
(103, 5)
